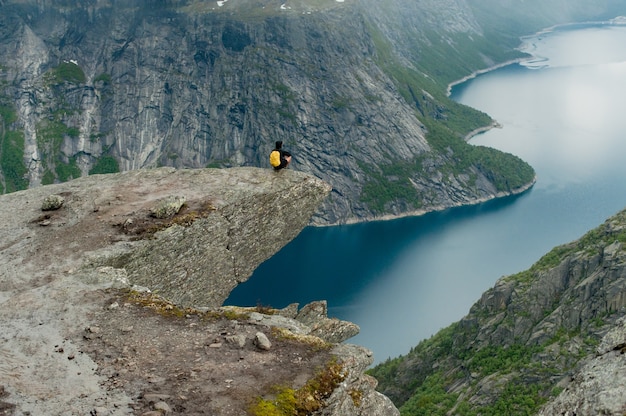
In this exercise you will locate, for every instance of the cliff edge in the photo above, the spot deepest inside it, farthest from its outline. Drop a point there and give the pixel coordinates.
(111, 289)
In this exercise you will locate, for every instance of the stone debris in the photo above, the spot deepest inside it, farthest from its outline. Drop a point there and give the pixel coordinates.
(52, 202)
(262, 342)
(162, 407)
(168, 207)
(237, 340)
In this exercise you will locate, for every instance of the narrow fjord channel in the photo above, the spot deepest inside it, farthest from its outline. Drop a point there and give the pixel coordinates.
(403, 280)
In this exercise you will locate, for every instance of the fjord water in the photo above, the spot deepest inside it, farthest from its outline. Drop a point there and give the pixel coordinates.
(403, 280)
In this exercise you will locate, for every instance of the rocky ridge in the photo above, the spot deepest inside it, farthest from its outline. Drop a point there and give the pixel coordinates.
(597, 388)
(552, 335)
(94, 321)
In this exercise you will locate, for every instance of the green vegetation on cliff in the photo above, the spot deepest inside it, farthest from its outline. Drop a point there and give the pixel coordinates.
(506, 171)
(12, 161)
(66, 72)
(447, 123)
(50, 136)
(530, 331)
(11, 150)
(105, 164)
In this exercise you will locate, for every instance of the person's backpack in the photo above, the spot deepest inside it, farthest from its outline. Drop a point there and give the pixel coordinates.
(275, 158)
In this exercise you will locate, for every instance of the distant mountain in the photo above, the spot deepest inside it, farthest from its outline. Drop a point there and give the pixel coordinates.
(355, 89)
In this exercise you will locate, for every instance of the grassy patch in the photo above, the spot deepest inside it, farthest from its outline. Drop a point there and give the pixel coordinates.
(104, 78)
(66, 72)
(431, 398)
(12, 164)
(7, 114)
(105, 164)
(498, 359)
(388, 183)
(304, 401)
(313, 341)
(48, 177)
(67, 171)
(166, 308)
(12, 161)
(50, 135)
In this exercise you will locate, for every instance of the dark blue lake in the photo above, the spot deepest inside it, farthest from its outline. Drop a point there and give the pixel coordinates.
(403, 280)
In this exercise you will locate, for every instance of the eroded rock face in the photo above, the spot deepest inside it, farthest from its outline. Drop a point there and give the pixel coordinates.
(232, 224)
(598, 388)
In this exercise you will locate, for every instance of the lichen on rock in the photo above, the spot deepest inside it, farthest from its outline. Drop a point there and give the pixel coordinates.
(168, 207)
(52, 202)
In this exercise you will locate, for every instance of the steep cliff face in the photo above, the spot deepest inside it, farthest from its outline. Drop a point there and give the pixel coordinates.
(98, 277)
(356, 90)
(557, 327)
(106, 86)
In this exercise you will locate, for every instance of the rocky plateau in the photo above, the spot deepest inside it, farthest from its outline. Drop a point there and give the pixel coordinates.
(111, 305)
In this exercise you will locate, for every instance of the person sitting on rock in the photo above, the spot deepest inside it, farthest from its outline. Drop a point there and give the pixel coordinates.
(279, 158)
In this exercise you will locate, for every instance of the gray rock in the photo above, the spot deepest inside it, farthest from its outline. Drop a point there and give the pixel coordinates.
(368, 402)
(238, 340)
(155, 397)
(262, 342)
(280, 321)
(253, 214)
(166, 208)
(101, 411)
(289, 311)
(334, 330)
(615, 339)
(313, 312)
(52, 202)
(163, 407)
(598, 388)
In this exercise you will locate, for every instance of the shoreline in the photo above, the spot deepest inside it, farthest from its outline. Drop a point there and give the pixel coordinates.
(619, 20)
(484, 71)
(440, 208)
(493, 125)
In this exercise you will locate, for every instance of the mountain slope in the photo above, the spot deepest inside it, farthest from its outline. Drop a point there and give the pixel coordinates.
(355, 89)
(523, 342)
(108, 86)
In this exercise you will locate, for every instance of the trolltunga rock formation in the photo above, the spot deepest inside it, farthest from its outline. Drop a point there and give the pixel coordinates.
(189, 235)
